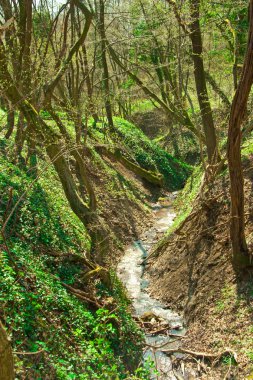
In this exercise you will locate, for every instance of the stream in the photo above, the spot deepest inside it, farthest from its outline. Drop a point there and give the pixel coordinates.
(131, 272)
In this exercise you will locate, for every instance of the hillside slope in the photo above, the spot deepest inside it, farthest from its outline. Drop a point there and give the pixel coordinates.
(61, 324)
(193, 273)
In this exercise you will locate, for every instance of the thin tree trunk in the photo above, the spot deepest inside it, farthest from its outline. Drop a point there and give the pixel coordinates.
(240, 254)
(200, 80)
(218, 90)
(91, 105)
(106, 84)
(180, 117)
(10, 121)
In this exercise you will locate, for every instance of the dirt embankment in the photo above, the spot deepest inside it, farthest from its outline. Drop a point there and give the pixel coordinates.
(194, 275)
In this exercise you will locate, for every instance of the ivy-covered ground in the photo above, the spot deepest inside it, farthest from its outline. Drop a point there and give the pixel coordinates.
(69, 340)
(55, 335)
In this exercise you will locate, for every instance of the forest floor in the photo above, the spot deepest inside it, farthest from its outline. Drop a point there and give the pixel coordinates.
(48, 305)
(193, 274)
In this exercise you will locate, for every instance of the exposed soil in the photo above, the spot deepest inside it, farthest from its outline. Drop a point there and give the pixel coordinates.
(193, 273)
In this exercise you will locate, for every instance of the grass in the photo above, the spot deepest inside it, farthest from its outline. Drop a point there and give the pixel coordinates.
(37, 310)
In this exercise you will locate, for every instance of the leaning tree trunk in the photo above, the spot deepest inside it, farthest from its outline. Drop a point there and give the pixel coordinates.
(6, 358)
(240, 254)
(200, 80)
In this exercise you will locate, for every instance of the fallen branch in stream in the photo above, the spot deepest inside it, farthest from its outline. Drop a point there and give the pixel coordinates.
(168, 334)
(161, 345)
(155, 332)
(203, 355)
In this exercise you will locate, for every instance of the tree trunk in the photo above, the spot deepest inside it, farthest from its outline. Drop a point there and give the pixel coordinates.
(10, 122)
(91, 105)
(200, 80)
(106, 84)
(19, 138)
(240, 254)
(6, 358)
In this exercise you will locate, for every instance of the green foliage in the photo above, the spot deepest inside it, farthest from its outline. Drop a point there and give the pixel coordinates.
(37, 310)
(43, 216)
(41, 23)
(247, 146)
(142, 105)
(78, 343)
(150, 155)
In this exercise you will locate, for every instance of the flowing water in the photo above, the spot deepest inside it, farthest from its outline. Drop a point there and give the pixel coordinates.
(131, 271)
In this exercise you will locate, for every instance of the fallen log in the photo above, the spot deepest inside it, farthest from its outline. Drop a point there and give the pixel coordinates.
(148, 175)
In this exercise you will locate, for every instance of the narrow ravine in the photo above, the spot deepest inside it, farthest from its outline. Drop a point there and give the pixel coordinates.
(131, 271)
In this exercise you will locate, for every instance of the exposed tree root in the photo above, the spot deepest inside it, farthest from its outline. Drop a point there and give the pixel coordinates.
(82, 295)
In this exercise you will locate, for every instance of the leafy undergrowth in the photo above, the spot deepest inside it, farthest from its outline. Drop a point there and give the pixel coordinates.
(146, 153)
(66, 339)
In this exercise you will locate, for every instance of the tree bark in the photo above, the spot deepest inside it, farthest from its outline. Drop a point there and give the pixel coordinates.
(6, 357)
(106, 84)
(200, 80)
(240, 254)
(10, 122)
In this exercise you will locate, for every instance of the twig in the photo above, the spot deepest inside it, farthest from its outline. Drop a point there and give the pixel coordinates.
(28, 353)
(226, 376)
(155, 332)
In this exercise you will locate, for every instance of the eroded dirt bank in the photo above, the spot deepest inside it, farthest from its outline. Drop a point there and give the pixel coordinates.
(193, 274)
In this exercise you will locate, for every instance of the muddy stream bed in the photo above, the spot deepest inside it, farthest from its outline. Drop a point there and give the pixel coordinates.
(131, 271)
